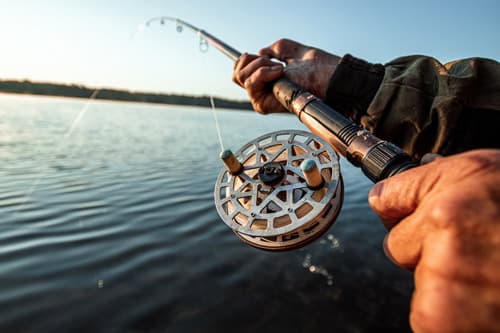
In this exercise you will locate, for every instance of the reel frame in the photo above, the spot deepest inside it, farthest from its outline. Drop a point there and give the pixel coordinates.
(289, 214)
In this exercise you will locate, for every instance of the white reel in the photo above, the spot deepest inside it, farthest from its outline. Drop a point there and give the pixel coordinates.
(280, 191)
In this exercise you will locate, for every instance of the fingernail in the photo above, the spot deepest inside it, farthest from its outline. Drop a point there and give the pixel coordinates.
(429, 157)
(387, 252)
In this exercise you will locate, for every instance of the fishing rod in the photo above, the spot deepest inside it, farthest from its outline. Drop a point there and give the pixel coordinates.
(377, 158)
(284, 189)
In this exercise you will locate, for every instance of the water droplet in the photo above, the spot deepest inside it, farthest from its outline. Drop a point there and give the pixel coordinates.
(312, 268)
(100, 284)
(307, 261)
(334, 242)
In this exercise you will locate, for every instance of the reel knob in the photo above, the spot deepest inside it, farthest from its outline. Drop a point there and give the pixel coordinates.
(287, 192)
(271, 173)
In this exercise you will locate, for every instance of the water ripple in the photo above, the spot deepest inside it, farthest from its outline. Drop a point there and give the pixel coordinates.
(117, 231)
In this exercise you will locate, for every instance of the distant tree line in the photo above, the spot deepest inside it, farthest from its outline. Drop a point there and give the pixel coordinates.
(52, 89)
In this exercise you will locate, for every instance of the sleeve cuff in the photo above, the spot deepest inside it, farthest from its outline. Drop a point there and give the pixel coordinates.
(353, 86)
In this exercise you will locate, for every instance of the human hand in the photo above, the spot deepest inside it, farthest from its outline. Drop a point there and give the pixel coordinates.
(444, 222)
(306, 66)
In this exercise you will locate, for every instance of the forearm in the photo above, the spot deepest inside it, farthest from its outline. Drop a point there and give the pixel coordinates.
(421, 105)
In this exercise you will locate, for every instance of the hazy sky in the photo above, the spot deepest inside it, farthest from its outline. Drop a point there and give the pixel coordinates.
(89, 41)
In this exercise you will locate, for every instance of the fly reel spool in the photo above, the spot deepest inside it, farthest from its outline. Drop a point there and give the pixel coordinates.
(280, 191)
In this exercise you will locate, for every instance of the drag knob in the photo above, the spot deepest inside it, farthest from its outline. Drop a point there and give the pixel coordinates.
(271, 173)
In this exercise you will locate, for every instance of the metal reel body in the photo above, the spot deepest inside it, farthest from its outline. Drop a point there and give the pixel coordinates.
(302, 236)
(288, 214)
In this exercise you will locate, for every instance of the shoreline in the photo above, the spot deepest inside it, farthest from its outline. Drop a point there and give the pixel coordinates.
(107, 94)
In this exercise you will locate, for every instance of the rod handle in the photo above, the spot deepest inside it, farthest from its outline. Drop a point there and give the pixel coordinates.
(377, 158)
(285, 92)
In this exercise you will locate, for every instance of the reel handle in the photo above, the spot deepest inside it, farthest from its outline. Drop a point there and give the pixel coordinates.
(377, 158)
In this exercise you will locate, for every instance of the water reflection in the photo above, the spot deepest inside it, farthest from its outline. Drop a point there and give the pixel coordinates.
(121, 233)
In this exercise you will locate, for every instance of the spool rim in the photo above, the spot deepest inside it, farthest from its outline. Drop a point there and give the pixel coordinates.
(325, 223)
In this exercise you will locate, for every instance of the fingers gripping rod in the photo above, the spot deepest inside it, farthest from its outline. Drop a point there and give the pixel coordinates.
(377, 158)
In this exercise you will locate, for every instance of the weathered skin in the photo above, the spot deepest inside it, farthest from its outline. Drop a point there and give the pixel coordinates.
(443, 217)
(444, 222)
(308, 67)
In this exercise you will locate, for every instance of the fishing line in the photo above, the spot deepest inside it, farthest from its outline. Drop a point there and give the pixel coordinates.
(212, 104)
(203, 47)
(80, 115)
(66, 136)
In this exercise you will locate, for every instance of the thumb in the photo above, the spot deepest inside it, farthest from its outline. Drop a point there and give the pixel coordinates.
(397, 197)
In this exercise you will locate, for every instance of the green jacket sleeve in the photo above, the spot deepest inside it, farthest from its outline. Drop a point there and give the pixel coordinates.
(420, 104)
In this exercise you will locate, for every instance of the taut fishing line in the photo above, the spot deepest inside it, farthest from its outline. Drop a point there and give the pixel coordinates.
(217, 127)
(203, 46)
(67, 134)
(284, 189)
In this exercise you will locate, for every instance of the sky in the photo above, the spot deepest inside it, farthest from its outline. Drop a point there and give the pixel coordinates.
(89, 42)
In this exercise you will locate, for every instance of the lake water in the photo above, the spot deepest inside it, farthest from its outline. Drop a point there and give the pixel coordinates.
(111, 227)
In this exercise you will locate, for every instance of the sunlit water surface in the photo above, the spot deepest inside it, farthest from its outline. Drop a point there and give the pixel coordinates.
(114, 229)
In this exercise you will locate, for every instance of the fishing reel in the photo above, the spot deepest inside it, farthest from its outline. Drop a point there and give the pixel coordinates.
(280, 191)
(283, 190)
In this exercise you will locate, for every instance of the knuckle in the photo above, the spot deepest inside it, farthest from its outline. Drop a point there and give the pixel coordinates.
(439, 312)
(476, 161)
(422, 317)
(248, 84)
(443, 213)
(313, 53)
(483, 159)
(422, 320)
(257, 107)
(403, 257)
(282, 43)
(472, 163)
(259, 74)
(239, 78)
(448, 213)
